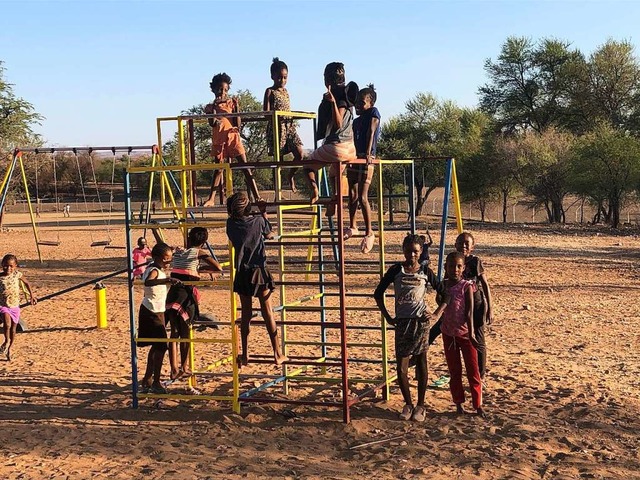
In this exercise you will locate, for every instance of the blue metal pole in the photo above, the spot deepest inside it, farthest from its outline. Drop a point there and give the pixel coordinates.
(445, 216)
(132, 313)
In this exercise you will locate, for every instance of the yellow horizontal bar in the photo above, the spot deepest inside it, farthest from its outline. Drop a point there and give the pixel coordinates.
(181, 396)
(183, 340)
(297, 207)
(336, 379)
(219, 363)
(180, 224)
(336, 344)
(179, 168)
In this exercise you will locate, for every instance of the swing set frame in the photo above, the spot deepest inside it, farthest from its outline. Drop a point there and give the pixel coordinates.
(18, 162)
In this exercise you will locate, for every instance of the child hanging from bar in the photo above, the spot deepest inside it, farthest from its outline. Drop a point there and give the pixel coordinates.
(458, 333)
(247, 234)
(366, 131)
(151, 318)
(182, 300)
(276, 97)
(335, 119)
(225, 138)
(411, 322)
(11, 279)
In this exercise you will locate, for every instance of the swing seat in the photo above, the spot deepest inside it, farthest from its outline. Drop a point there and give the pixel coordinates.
(101, 243)
(49, 243)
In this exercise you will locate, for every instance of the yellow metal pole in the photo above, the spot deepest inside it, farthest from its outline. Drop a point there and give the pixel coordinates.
(383, 322)
(101, 305)
(233, 305)
(456, 196)
(183, 178)
(159, 131)
(33, 220)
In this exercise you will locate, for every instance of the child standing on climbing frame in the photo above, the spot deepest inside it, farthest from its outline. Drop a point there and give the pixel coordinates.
(335, 119)
(366, 131)
(252, 279)
(457, 333)
(11, 280)
(151, 321)
(182, 300)
(225, 137)
(411, 321)
(276, 97)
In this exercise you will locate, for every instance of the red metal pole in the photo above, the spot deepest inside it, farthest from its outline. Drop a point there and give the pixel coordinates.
(343, 298)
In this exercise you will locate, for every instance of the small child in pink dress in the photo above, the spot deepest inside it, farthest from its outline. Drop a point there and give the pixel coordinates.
(141, 254)
(458, 333)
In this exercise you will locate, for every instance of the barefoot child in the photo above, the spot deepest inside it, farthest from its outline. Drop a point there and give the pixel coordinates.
(225, 137)
(151, 321)
(276, 97)
(474, 271)
(10, 281)
(411, 320)
(182, 300)
(457, 333)
(247, 233)
(335, 120)
(366, 131)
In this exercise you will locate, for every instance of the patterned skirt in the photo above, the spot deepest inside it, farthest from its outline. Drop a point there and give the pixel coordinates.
(412, 336)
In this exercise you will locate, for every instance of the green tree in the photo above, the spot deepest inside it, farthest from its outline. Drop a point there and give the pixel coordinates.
(17, 118)
(530, 84)
(541, 163)
(606, 169)
(607, 88)
(430, 128)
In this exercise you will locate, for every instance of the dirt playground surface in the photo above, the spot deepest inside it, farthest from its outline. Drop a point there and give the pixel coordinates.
(562, 396)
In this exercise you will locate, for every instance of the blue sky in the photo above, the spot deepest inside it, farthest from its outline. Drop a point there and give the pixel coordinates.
(102, 71)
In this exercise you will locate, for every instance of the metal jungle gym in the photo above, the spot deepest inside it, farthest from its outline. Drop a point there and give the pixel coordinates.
(315, 281)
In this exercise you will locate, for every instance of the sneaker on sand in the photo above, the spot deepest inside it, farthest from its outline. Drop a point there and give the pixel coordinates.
(407, 411)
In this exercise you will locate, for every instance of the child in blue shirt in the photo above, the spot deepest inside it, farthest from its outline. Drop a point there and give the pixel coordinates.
(366, 131)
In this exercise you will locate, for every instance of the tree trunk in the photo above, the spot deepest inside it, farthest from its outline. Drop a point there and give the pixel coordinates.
(614, 211)
(549, 213)
(505, 197)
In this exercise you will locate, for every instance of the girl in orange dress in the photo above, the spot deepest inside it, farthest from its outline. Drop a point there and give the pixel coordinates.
(225, 138)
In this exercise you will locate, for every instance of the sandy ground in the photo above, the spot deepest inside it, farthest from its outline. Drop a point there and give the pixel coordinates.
(562, 397)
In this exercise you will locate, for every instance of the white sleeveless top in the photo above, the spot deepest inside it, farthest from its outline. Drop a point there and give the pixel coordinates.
(155, 297)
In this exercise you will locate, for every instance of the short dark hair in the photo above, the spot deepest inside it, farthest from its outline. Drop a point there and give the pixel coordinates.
(371, 91)
(160, 249)
(412, 239)
(277, 65)
(238, 205)
(218, 79)
(454, 256)
(9, 256)
(334, 72)
(462, 236)
(197, 236)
